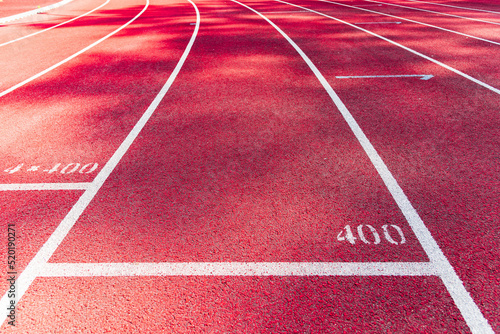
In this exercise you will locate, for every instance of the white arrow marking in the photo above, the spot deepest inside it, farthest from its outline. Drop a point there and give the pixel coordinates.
(377, 22)
(422, 76)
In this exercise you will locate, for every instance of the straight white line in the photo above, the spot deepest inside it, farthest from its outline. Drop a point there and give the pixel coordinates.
(239, 269)
(58, 25)
(34, 268)
(441, 4)
(33, 12)
(421, 76)
(287, 11)
(431, 11)
(44, 186)
(418, 22)
(471, 313)
(485, 85)
(377, 22)
(13, 88)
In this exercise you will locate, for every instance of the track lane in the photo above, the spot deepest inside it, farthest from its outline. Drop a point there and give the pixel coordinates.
(157, 23)
(14, 7)
(100, 102)
(480, 31)
(439, 141)
(9, 34)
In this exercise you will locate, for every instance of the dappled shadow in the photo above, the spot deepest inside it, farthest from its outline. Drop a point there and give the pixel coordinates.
(247, 158)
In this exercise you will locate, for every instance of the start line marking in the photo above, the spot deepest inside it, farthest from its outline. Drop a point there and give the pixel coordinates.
(377, 22)
(421, 76)
(44, 186)
(239, 269)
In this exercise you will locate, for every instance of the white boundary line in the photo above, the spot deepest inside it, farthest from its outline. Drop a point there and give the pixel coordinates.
(4, 20)
(431, 11)
(58, 25)
(33, 269)
(240, 269)
(471, 313)
(13, 88)
(479, 82)
(409, 20)
(44, 186)
(441, 4)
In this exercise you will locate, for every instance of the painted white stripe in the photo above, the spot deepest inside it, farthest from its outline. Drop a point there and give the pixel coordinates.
(454, 70)
(471, 313)
(468, 8)
(421, 76)
(44, 186)
(58, 25)
(36, 265)
(13, 88)
(287, 11)
(4, 20)
(431, 11)
(413, 21)
(239, 269)
(377, 23)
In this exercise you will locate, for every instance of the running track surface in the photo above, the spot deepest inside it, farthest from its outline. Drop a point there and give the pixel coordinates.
(317, 168)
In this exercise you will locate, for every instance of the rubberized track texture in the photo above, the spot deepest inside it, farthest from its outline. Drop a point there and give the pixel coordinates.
(251, 167)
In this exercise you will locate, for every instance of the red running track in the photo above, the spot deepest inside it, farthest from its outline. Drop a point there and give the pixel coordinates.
(228, 210)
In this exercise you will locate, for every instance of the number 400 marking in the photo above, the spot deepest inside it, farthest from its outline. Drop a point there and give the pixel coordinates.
(346, 234)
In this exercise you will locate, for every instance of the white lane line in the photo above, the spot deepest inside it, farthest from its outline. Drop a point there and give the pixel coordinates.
(431, 11)
(44, 186)
(454, 70)
(287, 11)
(240, 269)
(471, 313)
(377, 23)
(4, 20)
(421, 76)
(413, 21)
(468, 8)
(58, 25)
(34, 268)
(13, 88)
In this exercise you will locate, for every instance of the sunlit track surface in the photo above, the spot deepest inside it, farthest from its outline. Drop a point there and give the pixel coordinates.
(252, 167)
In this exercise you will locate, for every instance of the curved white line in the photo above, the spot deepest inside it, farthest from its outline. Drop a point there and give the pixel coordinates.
(33, 12)
(13, 88)
(417, 22)
(431, 11)
(58, 25)
(479, 82)
(442, 4)
(36, 265)
(471, 313)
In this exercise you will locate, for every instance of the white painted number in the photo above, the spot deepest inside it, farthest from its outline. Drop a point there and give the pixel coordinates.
(74, 169)
(388, 236)
(374, 232)
(93, 168)
(68, 169)
(11, 170)
(346, 234)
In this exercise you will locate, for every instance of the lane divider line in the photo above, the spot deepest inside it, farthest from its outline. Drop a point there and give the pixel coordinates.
(413, 21)
(56, 26)
(4, 20)
(35, 266)
(240, 269)
(471, 313)
(442, 4)
(421, 76)
(431, 11)
(44, 186)
(36, 76)
(454, 70)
